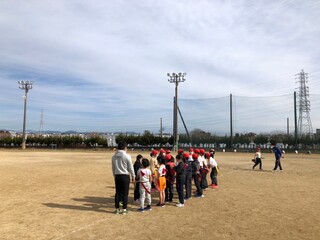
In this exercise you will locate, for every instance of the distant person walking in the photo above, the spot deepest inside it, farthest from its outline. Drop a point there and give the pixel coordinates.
(257, 159)
(277, 154)
(122, 168)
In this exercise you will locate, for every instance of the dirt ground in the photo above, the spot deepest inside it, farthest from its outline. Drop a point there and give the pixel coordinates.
(63, 194)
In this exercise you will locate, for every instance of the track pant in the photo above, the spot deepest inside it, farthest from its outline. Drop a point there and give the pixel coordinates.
(188, 185)
(145, 193)
(136, 194)
(204, 183)
(122, 183)
(213, 176)
(258, 161)
(169, 190)
(179, 185)
(277, 164)
(197, 183)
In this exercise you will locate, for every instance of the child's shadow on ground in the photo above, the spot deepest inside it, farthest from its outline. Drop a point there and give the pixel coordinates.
(96, 204)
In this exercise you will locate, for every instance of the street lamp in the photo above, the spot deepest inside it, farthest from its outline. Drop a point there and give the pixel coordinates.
(24, 85)
(176, 78)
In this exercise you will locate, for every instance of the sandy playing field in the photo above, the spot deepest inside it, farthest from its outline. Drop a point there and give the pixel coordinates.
(63, 194)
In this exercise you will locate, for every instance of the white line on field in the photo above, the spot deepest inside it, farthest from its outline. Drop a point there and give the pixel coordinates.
(79, 229)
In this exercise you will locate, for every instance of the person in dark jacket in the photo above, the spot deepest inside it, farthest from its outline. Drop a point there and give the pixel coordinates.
(180, 177)
(136, 166)
(278, 155)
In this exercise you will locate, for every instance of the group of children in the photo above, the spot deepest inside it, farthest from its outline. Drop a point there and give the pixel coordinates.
(163, 171)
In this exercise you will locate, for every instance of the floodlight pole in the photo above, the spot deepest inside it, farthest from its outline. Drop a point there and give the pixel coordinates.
(24, 86)
(176, 78)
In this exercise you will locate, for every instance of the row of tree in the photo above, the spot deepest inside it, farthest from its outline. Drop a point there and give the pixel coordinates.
(58, 141)
(147, 139)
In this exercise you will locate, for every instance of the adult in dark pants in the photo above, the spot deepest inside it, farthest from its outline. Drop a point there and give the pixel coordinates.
(122, 168)
(277, 154)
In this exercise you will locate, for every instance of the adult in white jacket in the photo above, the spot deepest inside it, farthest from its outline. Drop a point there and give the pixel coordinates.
(122, 168)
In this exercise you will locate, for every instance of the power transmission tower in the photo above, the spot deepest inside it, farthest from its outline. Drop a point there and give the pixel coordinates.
(304, 121)
(41, 124)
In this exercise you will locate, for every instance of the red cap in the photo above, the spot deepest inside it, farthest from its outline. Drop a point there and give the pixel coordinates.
(207, 155)
(154, 152)
(197, 150)
(186, 155)
(202, 151)
(162, 151)
(180, 151)
(168, 157)
(168, 151)
(190, 149)
(195, 156)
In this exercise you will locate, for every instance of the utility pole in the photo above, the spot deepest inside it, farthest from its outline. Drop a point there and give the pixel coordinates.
(24, 86)
(231, 124)
(176, 78)
(41, 124)
(304, 121)
(161, 128)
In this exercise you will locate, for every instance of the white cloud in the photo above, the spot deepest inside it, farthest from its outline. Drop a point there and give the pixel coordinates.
(102, 60)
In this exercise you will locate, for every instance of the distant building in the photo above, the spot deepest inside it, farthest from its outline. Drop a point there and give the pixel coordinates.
(5, 134)
(111, 139)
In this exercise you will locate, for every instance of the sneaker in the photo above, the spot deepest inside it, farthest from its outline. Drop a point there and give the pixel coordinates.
(141, 209)
(199, 196)
(158, 204)
(215, 186)
(120, 203)
(125, 211)
(117, 211)
(180, 205)
(163, 205)
(148, 208)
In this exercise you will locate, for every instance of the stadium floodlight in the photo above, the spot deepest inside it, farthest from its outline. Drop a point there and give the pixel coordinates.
(26, 86)
(176, 78)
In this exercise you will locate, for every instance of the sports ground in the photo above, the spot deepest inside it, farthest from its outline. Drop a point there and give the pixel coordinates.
(69, 194)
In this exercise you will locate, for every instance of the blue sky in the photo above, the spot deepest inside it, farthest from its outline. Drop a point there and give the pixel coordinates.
(102, 65)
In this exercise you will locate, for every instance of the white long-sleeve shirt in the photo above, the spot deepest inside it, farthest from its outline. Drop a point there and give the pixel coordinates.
(122, 164)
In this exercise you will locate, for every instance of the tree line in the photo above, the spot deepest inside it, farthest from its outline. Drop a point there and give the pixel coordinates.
(147, 139)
